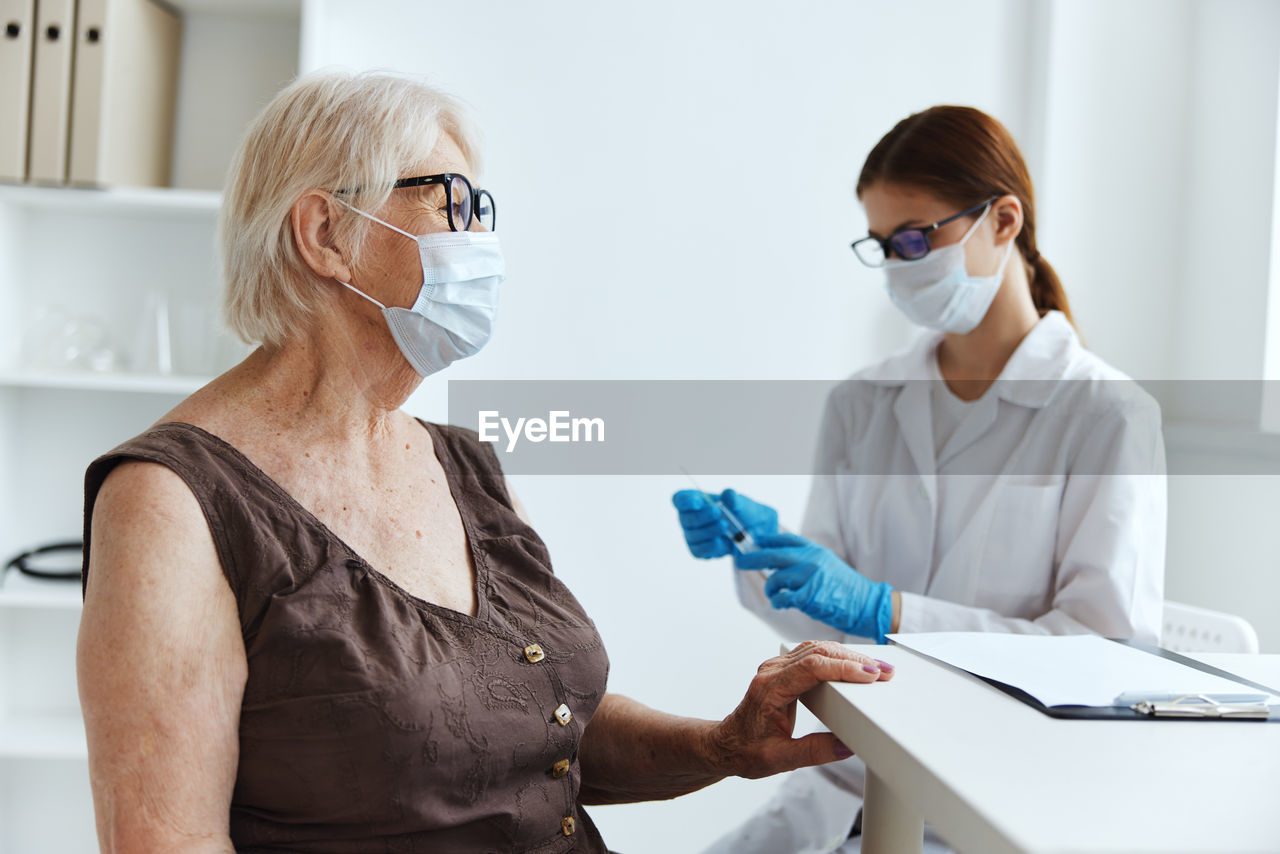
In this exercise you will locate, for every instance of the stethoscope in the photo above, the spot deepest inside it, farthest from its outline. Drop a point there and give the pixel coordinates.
(23, 565)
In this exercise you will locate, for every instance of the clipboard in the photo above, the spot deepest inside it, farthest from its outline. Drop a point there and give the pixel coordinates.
(1142, 711)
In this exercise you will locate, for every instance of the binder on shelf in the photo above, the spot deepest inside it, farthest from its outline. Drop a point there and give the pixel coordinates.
(18, 20)
(124, 91)
(1085, 676)
(51, 91)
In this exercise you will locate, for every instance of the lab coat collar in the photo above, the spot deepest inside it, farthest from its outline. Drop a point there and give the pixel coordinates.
(1043, 357)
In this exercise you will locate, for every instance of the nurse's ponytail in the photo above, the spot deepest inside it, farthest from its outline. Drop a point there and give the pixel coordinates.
(964, 156)
(1046, 287)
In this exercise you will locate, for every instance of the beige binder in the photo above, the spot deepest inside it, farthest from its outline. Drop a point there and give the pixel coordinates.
(122, 99)
(17, 23)
(51, 91)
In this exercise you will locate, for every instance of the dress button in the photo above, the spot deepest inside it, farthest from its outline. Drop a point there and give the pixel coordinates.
(567, 824)
(560, 769)
(533, 652)
(563, 715)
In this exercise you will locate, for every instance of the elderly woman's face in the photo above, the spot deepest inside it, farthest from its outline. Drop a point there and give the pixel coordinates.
(425, 209)
(393, 267)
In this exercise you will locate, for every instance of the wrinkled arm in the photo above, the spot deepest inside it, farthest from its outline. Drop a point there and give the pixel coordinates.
(161, 669)
(633, 753)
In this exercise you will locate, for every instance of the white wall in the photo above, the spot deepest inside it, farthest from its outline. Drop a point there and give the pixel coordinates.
(1231, 168)
(1111, 207)
(1157, 203)
(1223, 551)
(674, 183)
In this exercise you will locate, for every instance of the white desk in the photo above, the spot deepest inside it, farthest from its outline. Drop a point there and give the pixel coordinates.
(994, 775)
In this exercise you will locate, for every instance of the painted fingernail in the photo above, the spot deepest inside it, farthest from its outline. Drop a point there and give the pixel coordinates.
(871, 668)
(842, 750)
(885, 666)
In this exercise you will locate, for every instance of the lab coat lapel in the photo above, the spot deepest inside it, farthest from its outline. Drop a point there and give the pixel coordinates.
(1028, 382)
(917, 493)
(915, 423)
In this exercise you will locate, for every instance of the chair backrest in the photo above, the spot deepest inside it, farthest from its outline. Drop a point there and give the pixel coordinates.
(1188, 628)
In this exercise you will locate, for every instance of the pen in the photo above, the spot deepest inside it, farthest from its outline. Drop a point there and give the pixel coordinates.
(1129, 698)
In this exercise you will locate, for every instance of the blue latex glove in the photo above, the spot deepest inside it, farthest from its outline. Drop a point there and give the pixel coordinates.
(707, 533)
(812, 579)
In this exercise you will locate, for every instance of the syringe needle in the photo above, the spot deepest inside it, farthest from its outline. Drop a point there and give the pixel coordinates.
(742, 538)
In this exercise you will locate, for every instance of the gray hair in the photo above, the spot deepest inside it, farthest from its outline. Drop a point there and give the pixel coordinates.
(357, 132)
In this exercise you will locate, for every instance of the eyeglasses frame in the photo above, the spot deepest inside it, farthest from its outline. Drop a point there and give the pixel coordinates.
(446, 178)
(886, 243)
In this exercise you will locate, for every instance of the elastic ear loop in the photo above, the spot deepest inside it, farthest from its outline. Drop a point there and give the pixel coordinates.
(375, 219)
(356, 290)
(367, 215)
(348, 285)
(971, 230)
(1007, 253)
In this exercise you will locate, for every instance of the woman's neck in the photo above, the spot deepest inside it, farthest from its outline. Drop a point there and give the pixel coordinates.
(970, 363)
(341, 377)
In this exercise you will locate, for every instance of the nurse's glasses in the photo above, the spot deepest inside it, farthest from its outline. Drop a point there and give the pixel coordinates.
(910, 243)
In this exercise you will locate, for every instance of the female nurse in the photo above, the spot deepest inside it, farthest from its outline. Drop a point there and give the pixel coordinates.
(996, 476)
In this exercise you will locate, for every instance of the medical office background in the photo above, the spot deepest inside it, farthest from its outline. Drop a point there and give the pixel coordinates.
(674, 182)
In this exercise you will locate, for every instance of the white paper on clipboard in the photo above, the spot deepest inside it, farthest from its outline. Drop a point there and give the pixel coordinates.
(1067, 670)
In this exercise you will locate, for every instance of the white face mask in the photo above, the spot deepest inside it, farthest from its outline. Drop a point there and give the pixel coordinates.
(454, 314)
(936, 291)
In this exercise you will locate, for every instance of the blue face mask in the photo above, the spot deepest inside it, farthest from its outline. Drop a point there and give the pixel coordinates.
(936, 291)
(457, 306)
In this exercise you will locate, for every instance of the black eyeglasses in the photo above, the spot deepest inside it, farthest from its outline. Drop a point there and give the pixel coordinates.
(464, 202)
(909, 244)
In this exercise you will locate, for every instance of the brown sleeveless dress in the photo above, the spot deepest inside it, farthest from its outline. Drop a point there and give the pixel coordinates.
(374, 721)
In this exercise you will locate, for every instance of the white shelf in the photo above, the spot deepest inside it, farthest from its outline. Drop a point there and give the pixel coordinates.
(87, 381)
(52, 735)
(245, 8)
(21, 591)
(139, 242)
(121, 200)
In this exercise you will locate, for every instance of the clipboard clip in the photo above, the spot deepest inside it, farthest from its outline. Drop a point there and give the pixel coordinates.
(1202, 706)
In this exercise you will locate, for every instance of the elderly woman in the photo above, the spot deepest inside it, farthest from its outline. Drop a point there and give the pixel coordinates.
(313, 623)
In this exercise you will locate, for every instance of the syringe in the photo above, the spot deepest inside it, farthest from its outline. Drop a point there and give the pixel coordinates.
(742, 539)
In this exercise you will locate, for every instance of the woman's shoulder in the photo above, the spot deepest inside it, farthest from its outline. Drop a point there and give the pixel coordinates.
(144, 499)
(1105, 400)
(176, 445)
(164, 443)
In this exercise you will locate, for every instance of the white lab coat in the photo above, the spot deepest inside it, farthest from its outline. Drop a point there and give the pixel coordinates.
(1044, 513)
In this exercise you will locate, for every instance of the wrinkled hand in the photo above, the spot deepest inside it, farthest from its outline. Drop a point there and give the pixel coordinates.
(817, 582)
(707, 533)
(755, 740)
